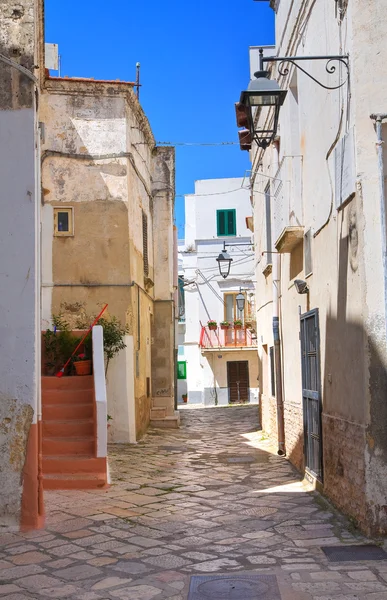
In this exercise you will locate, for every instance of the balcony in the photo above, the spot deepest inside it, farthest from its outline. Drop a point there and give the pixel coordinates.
(229, 339)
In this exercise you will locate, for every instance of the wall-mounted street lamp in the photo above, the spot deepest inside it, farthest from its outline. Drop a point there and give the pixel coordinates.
(240, 301)
(263, 91)
(224, 261)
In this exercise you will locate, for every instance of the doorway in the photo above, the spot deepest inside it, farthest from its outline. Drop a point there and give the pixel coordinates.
(311, 392)
(238, 381)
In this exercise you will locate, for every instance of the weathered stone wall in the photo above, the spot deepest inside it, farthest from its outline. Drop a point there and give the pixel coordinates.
(344, 466)
(97, 157)
(294, 433)
(163, 367)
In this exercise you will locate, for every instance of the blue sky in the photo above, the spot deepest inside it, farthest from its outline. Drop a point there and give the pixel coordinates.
(194, 64)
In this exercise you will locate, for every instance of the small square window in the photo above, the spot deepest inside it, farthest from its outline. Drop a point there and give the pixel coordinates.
(63, 222)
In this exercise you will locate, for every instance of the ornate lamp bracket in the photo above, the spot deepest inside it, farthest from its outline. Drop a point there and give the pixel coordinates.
(332, 62)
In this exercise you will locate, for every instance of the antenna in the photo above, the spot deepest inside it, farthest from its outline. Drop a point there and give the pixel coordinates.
(138, 66)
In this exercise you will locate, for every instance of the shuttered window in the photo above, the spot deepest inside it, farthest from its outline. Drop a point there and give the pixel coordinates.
(182, 369)
(145, 243)
(226, 222)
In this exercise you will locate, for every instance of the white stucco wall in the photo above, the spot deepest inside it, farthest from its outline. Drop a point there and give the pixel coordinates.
(205, 288)
(346, 283)
(20, 299)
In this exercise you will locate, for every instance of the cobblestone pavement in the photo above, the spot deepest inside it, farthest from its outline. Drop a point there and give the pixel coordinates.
(207, 499)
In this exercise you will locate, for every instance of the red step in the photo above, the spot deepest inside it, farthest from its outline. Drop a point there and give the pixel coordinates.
(85, 382)
(81, 481)
(53, 446)
(67, 396)
(64, 412)
(73, 464)
(71, 428)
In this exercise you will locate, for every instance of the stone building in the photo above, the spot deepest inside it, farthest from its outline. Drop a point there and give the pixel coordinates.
(320, 253)
(107, 237)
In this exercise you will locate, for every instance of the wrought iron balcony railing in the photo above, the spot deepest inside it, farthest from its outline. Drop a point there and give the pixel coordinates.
(230, 337)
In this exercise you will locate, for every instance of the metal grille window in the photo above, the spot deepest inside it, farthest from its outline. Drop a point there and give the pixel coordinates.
(226, 222)
(272, 371)
(145, 243)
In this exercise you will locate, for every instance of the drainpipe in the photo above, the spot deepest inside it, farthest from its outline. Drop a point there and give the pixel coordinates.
(379, 118)
(277, 358)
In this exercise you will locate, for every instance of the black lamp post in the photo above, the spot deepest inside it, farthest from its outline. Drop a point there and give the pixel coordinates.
(224, 263)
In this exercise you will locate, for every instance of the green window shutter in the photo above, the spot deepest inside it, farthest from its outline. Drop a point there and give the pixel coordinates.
(182, 369)
(226, 222)
(231, 229)
(221, 218)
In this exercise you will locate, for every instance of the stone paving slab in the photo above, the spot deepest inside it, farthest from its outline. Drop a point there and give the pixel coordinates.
(177, 508)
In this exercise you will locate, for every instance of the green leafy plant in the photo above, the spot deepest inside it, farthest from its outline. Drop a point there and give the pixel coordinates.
(225, 324)
(238, 323)
(58, 343)
(212, 323)
(113, 337)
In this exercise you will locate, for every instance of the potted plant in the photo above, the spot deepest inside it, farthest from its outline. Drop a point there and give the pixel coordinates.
(224, 324)
(212, 325)
(238, 324)
(185, 397)
(82, 364)
(109, 418)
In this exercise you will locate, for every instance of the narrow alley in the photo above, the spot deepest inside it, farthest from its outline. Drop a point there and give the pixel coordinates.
(208, 500)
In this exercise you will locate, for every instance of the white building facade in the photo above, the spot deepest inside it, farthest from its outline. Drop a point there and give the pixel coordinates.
(217, 366)
(320, 252)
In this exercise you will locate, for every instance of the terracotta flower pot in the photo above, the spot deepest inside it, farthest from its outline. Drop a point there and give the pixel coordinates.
(185, 398)
(212, 327)
(224, 326)
(237, 326)
(83, 367)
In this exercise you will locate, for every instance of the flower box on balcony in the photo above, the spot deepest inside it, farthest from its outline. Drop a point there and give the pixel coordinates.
(238, 325)
(212, 325)
(224, 325)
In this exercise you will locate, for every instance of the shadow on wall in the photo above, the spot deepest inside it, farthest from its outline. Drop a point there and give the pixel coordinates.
(354, 405)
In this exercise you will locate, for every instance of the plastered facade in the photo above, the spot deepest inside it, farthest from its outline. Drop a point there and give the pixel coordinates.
(346, 279)
(99, 158)
(19, 277)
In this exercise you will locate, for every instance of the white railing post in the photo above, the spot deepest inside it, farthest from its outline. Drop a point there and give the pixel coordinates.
(100, 392)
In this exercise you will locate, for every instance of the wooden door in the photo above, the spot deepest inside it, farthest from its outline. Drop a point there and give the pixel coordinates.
(238, 381)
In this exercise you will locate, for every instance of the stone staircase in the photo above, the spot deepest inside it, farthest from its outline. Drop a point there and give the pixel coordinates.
(69, 435)
(164, 416)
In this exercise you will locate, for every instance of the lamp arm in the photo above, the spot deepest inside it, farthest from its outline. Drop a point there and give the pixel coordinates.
(329, 67)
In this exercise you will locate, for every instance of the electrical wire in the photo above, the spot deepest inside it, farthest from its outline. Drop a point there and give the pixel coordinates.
(198, 143)
(213, 193)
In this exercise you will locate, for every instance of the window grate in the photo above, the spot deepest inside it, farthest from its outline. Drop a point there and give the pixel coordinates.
(145, 243)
